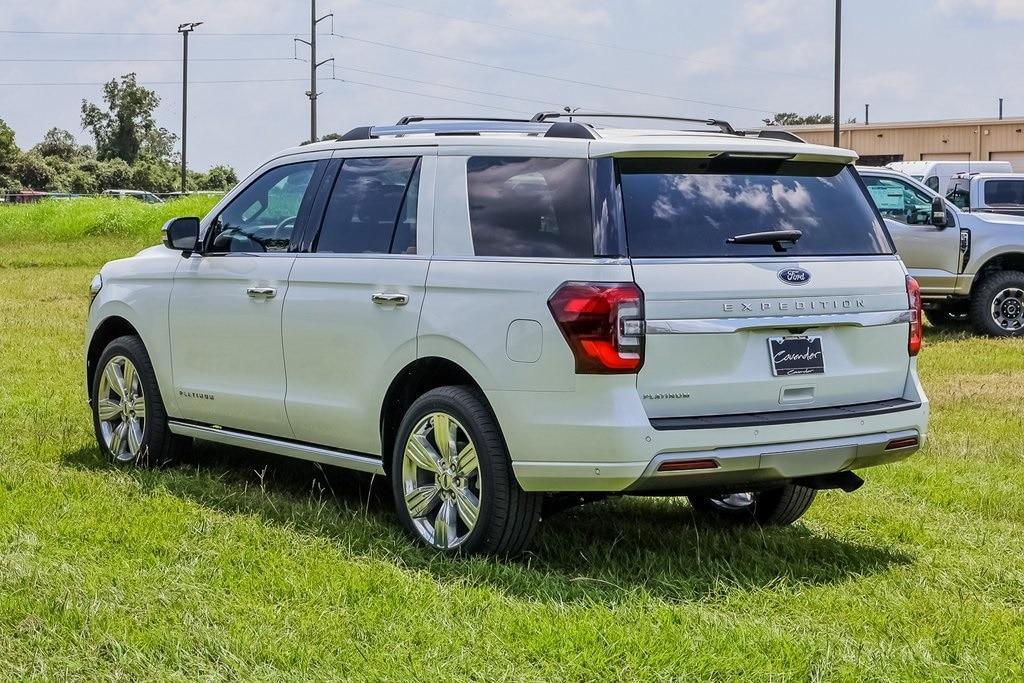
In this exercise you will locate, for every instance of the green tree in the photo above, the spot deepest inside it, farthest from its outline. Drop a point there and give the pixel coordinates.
(788, 118)
(61, 144)
(9, 154)
(34, 172)
(218, 178)
(126, 129)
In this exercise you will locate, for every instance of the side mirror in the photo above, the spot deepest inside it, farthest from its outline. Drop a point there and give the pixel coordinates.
(939, 217)
(182, 234)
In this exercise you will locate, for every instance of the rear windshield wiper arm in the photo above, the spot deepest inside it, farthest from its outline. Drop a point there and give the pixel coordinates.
(779, 239)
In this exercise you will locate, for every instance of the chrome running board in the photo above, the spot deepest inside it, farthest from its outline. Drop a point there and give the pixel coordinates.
(270, 444)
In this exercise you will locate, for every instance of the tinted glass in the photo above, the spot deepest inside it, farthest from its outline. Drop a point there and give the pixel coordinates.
(691, 207)
(933, 182)
(366, 203)
(960, 194)
(899, 200)
(532, 207)
(262, 218)
(1004, 192)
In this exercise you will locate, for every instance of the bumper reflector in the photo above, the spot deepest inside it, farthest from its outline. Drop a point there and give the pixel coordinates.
(687, 465)
(897, 444)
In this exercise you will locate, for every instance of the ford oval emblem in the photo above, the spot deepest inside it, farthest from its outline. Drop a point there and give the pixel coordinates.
(794, 276)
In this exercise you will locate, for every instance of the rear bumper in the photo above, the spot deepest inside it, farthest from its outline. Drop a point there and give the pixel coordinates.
(603, 441)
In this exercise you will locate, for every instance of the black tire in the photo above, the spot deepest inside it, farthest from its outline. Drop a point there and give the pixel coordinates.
(985, 296)
(508, 516)
(774, 507)
(158, 445)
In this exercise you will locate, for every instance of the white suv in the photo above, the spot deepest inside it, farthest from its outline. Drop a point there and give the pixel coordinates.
(504, 315)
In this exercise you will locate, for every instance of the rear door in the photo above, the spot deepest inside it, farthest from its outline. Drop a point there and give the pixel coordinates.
(829, 309)
(354, 297)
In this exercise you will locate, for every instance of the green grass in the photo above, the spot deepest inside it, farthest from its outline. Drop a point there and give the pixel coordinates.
(240, 566)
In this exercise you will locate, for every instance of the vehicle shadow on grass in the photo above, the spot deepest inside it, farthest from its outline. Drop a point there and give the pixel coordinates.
(607, 552)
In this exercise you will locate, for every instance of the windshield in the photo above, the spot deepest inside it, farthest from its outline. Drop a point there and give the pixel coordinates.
(691, 207)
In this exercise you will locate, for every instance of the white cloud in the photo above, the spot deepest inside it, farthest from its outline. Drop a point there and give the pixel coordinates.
(570, 13)
(1000, 9)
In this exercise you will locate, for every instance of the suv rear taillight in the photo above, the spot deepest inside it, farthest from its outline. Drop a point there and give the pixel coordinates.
(603, 323)
(916, 320)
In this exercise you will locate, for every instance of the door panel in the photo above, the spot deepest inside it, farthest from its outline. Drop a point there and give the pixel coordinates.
(226, 350)
(342, 349)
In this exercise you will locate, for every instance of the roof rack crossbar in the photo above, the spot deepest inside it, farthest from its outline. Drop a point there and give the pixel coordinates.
(723, 126)
(406, 120)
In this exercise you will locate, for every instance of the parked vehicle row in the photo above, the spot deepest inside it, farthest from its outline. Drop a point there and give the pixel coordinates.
(968, 264)
(503, 315)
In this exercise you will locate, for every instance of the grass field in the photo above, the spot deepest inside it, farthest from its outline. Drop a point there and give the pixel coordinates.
(239, 566)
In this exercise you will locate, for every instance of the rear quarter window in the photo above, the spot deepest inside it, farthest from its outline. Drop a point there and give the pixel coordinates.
(1004, 192)
(691, 207)
(530, 207)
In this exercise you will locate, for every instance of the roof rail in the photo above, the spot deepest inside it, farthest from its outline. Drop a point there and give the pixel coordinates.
(457, 125)
(723, 126)
(773, 135)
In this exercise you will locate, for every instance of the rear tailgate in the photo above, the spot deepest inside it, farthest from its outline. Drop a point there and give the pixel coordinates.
(741, 320)
(709, 325)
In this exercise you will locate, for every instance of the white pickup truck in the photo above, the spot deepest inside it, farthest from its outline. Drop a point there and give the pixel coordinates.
(988, 192)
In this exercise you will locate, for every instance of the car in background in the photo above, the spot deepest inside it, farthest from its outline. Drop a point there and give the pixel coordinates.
(988, 192)
(969, 265)
(140, 195)
(937, 174)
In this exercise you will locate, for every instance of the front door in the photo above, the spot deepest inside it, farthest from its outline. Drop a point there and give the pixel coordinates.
(931, 253)
(354, 300)
(226, 304)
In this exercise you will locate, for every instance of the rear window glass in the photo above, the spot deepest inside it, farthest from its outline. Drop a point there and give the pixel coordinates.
(691, 207)
(530, 207)
(1004, 192)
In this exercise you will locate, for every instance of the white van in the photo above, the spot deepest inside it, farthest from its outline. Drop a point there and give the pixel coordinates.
(936, 174)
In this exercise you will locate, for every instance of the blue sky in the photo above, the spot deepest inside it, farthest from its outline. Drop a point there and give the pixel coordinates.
(734, 59)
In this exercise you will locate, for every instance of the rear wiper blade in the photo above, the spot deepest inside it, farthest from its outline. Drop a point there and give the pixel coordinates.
(779, 239)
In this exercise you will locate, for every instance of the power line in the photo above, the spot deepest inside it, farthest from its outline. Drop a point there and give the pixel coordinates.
(100, 60)
(251, 80)
(591, 43)
(459, 88)
(434, 97)
(142, 33)
(550, 77)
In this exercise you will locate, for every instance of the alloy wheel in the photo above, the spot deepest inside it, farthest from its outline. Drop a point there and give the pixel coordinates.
(441, 482)
(1008, 309)
(121, 409)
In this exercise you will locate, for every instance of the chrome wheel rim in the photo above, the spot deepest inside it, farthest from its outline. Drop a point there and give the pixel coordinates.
(733, 501)
(121, 409)
(441, 483)
(1008, 309)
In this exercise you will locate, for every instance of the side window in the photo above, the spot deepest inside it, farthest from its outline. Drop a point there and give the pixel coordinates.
(932, 182)
(372, 209)
(1004, 192)
(899, 201)
(530, 207)
(960, 194)
(263, 217)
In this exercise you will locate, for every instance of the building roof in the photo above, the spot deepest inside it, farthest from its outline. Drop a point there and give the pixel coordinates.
(814, 128)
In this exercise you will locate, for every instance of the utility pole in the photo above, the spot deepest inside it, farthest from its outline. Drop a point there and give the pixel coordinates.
(838, 58)
(1000, 108)
(184, 30)
(867, 114)
(313, 65)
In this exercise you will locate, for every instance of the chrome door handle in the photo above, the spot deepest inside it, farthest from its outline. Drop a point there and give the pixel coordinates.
(384, 299)
(261, 292)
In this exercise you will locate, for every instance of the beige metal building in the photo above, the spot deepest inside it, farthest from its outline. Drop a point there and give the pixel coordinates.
(955, 140)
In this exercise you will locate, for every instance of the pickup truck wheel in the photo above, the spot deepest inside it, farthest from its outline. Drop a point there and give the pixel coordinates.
(779, 506)
(947, 315)
(452, 478)
(128, 413)
(997, 307)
